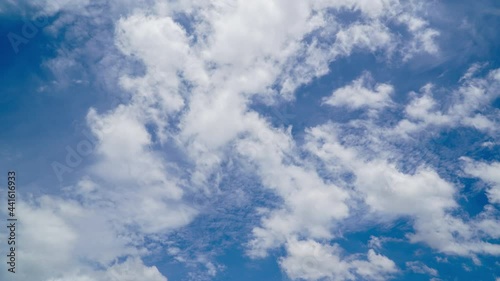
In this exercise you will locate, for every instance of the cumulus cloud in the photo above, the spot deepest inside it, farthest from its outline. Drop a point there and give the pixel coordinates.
(310, 260)
(423, 195)
(360, 94)
(489, 173)
(419, 267)
(132, 269)
(460, 109)
(62, 237)
(194, 95)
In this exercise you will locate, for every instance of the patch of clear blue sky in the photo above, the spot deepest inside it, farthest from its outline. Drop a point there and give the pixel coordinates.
(41, 115)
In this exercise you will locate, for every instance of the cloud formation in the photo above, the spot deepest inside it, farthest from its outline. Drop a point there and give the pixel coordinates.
(188, 116)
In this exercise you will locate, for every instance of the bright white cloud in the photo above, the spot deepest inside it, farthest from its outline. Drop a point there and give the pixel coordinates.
(362, 93)
(76, 237)
(423, 195)
(419, 267)
(140, 177)
(311, 205)
(489, 173)
(132, 269)
(310, 260)
(195, 93)
(238, 51)
(460, 109)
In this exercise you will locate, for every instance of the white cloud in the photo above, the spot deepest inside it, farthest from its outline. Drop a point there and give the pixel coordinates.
(217, 102)
(218, 114)
(310, 204)
(310, 260)
(367, 36)
(362, 93)
(419, 267)
(423, 195)
(422, 108)
(473, 70)
(195, 94)
(386, 189)
(377, 267)
(460, 109)
(139, 176)
(488, 223)
(488, 173)
(76, 237)
(133, 269)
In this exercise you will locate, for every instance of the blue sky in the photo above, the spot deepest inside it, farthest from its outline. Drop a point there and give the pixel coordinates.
(253, 140)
